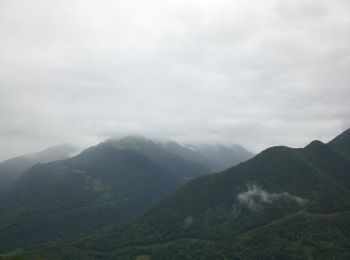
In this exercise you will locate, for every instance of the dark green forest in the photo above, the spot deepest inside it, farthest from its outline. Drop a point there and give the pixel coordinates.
(101, 187)
(283, 204)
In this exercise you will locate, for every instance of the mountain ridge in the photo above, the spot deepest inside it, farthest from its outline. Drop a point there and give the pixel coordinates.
(289, 195)
(102, 186)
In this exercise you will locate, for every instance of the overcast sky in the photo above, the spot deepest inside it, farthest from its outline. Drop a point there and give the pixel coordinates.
(258, 73)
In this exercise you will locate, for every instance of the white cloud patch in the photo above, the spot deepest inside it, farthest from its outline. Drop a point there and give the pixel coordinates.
(188, 222)
(255, 197)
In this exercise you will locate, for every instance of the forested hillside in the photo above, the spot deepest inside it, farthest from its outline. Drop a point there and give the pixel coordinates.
(283, 204)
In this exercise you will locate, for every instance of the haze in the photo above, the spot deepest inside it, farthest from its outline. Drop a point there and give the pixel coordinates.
(257, 73)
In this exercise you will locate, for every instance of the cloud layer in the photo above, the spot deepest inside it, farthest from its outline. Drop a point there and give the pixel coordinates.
(259, 73)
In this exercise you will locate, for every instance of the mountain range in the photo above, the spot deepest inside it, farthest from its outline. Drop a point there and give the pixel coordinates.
(103, 186)
(284, 203)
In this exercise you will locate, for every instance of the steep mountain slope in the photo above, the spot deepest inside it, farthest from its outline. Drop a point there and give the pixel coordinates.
(201, 158)
(70, 201)
(298, 199)
(103, 186)
(11, 169)
(182, 167)
(342, 142)
(214, 157)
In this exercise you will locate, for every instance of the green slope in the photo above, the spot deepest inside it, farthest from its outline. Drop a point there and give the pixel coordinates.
(103, 186)
(298, 236)
(12, 169)
(298, 199)
(70, 198)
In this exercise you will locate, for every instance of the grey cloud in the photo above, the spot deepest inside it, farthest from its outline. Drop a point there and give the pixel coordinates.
(250, 72)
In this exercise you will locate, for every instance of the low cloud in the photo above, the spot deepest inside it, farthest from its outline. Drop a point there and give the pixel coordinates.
(255, 198)
(188, 222)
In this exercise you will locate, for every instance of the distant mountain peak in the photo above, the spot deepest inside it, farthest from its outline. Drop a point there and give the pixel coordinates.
(131, 142)
(137, 138)
(63, 148)
(134, 138)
